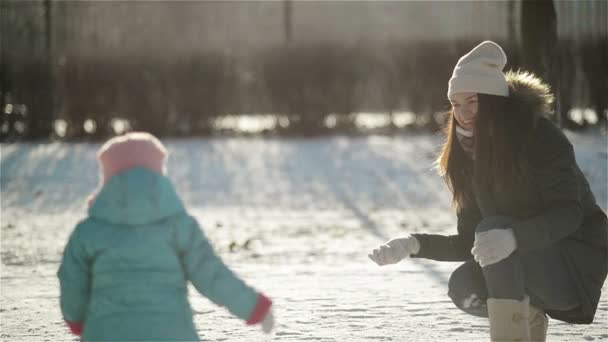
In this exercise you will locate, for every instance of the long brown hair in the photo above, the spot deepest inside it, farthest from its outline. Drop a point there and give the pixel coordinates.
(454, 166)
(503, 129)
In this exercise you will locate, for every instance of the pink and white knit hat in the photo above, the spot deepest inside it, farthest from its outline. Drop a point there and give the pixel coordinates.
(124, 152)
(135, 149)
(131, 150)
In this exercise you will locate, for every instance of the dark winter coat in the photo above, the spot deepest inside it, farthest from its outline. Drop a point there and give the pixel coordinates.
(557, 209)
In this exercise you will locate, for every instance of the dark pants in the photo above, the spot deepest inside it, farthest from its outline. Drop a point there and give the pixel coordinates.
(541, 275)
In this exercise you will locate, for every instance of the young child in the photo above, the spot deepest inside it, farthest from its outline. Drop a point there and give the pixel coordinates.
(126, 267)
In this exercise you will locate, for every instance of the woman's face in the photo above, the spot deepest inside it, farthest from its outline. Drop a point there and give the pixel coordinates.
(465, 108)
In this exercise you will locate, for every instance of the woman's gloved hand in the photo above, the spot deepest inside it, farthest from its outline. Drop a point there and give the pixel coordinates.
(493, 246)
(395, 250)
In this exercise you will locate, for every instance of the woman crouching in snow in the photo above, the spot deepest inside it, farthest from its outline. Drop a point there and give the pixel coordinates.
(532, 237)
(125, 270)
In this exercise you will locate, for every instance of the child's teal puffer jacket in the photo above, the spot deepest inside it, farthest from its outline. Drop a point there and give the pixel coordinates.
(125, 270)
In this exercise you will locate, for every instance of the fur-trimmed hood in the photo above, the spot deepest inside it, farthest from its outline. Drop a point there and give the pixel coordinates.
(530, 93)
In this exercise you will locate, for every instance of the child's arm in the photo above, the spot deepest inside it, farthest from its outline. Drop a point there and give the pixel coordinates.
(74, 280)
(215, 280)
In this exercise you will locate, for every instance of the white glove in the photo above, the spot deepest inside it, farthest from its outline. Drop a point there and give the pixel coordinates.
(493, 245)
(268, 322)
(395, 250)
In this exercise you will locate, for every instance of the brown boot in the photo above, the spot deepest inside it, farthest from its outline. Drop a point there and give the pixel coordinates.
(538, 325)
(509, 319)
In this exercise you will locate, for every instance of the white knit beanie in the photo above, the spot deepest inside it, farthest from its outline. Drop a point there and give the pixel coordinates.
(480, 71)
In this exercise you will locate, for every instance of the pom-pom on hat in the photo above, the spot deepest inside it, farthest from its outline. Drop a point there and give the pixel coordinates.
(480, 71)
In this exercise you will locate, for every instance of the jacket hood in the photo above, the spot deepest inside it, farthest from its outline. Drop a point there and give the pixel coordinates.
(135, 197)
(529, 93)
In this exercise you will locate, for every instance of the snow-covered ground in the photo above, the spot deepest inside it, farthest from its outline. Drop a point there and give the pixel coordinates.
(295, 217)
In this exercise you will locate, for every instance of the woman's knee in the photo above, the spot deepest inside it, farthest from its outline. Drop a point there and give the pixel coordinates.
(466, 289)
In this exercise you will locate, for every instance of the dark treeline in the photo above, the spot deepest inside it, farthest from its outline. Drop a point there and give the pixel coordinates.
(181, 94)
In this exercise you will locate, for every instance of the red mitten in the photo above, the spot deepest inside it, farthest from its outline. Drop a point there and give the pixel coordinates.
(260, 310)
(75, 327)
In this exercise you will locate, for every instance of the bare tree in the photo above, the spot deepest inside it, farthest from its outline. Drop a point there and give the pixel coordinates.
(539, 42)
(41, 113)
(287, 20)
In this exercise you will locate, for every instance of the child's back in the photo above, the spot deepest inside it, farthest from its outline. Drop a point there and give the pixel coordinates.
(125, 269)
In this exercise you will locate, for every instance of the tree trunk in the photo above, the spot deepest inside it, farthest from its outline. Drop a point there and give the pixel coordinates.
(539, 42)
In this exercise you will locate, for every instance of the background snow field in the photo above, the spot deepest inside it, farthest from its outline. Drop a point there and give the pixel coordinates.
(296, 218)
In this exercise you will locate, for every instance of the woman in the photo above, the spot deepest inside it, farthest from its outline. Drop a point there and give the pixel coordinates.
(531, 235)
